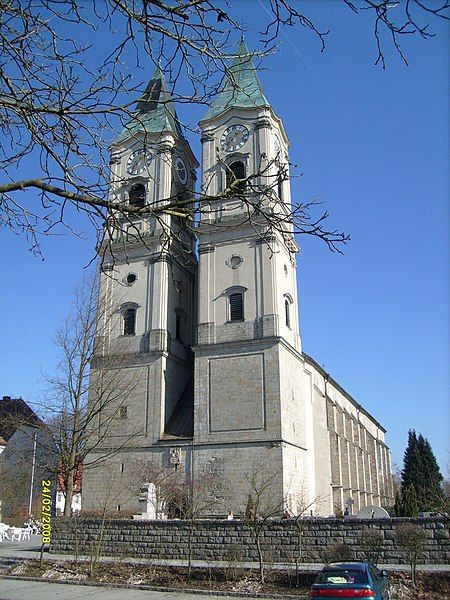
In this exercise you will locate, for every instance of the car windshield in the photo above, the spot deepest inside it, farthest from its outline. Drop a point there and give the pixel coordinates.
(342, 576)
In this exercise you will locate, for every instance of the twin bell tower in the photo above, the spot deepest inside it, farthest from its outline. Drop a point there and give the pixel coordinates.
(202, 319)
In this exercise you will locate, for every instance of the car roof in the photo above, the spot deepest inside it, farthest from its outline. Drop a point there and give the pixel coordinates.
(360, 566)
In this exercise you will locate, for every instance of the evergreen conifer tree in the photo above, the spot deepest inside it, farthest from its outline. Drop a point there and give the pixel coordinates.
(410, 505)
(420, 473)
(398, 505)
(431, 494)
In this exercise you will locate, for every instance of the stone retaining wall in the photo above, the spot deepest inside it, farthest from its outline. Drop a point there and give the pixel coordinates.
(233, 540)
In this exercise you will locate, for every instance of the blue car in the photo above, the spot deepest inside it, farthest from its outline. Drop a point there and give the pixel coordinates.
(351, 580)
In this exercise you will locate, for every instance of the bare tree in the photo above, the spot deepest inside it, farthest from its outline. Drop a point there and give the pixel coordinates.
(444, 506)
(397, 24)
(411, 538)
(338, 552)
(96, 544)
(62, 99)
(83, 405)
(439, 501)
(263, 505)
(182, 494)
(371, 543)
(204, 493)
(303, 506)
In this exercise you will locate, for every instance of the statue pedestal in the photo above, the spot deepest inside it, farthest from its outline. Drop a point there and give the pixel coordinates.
(147, 503)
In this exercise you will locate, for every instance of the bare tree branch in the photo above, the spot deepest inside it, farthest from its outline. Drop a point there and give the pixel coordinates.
(86, 394)
(62, 99)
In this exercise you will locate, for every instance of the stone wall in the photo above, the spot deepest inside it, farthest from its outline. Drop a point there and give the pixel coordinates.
(232, 540)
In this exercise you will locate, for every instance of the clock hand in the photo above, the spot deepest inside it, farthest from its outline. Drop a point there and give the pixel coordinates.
(233, 137)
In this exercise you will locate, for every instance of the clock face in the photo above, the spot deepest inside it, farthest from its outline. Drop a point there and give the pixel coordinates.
(139, 161)
(234, 138)
(181, 170)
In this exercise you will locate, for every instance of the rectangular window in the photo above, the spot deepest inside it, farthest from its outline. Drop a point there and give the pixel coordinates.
(343, 576)
(137, 195)
(280, 185)
(237, 307)
(287, 310)
(236, 173)
(129, 321)
(123, 410)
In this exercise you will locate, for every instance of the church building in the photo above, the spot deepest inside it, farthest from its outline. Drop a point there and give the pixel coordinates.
(203, 321)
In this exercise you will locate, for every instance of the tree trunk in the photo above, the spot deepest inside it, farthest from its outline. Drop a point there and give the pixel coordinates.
(77, 551)
(298, 558)
(260, 558)
(96, 547)
(190, 532)
(413, 569)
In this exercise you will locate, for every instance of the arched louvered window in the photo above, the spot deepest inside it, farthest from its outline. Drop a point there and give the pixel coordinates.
(237, 306)
(129, 321)
(136, 195)
(181, 330)
(280, 185)
(236, 171)
(287, 311)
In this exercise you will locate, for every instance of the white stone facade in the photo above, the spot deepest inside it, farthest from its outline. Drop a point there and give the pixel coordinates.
(232, 391)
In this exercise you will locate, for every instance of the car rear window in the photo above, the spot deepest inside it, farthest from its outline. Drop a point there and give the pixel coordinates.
(344, 576)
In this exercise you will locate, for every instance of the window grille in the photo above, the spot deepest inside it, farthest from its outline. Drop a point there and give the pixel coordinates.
(237, 307)
(137, 195)
(129, 321)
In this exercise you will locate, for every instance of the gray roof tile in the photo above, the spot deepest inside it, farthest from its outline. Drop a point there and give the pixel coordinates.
(241, 89)
(155, 112)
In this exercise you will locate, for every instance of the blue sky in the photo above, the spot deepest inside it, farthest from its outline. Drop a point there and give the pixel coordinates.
(373, 145)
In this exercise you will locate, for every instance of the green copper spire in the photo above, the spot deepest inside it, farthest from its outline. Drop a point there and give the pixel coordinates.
(241, 88)
(155, 111)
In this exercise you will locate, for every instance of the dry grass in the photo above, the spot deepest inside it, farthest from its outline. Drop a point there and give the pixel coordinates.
(431, 586)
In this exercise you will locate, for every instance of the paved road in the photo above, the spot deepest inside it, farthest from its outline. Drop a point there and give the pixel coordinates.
(26, 549)
(27, 590)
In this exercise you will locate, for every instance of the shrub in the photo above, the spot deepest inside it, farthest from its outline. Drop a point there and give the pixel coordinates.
(411, 538)
(371, 544)
(337, 552)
